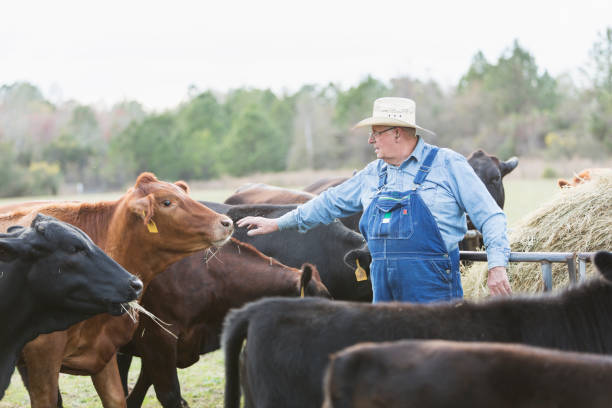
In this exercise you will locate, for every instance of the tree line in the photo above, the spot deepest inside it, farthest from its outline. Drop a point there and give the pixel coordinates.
(508, 107)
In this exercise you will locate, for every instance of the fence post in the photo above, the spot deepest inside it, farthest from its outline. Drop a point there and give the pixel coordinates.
(582, 269)
(547, 275)
(571, 268)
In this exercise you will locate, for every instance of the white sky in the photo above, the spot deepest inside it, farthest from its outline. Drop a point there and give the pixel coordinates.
(151, 51)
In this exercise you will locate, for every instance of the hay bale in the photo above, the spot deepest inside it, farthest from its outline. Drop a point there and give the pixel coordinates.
(577, 219)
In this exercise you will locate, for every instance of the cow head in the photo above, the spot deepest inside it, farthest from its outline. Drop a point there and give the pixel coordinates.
(171, 220)
(65, 269)
(491, 171)
(310, 282)
(360, 258)
(603, 262)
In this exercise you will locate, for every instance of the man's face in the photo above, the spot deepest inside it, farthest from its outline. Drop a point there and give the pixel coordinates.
(383, 141)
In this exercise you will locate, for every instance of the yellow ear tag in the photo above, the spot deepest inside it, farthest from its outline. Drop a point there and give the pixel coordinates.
(360, 273)
(302, 292)
(151, 225)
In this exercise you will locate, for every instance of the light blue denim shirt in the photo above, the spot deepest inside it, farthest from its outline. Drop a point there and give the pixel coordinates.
(451, 190)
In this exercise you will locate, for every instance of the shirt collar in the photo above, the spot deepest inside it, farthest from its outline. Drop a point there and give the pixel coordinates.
(417, 153)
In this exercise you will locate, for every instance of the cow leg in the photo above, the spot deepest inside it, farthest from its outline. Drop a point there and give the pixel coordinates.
(108, 385)
(43, 361)
(159, 358)
(138, 393)
(162, 372)
(23, 372)
(123, 362)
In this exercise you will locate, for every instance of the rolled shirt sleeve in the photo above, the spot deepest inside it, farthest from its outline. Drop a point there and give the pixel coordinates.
(473, 196)
(337, 202)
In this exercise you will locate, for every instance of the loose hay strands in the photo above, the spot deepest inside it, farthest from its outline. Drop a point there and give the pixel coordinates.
(577, 219)
(135, 307)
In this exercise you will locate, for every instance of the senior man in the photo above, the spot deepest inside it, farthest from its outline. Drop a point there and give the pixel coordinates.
(414, 199)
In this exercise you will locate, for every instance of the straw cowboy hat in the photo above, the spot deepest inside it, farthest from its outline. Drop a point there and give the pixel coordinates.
(393, 112)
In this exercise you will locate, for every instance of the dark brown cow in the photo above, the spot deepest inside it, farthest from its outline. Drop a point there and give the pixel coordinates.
(323, 184)
(146, 230)
(194, 296)
(440, 374)
(266, 194)
(289, 340)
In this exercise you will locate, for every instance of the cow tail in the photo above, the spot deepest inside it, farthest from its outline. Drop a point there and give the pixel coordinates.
(234, 333)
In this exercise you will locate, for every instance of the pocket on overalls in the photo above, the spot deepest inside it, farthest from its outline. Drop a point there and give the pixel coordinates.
(393, 220)
(418, 280)
(442, 268)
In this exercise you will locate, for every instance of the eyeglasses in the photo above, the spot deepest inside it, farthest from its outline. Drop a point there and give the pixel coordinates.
(373, 135)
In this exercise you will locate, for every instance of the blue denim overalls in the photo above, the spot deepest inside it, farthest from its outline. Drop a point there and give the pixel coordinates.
(410, 262)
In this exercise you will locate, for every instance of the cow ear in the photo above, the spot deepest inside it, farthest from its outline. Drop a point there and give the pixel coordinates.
(507, 166)
(183, 185)
(306, 277)
(10, 249)
(360, 254)
(603, 262)
(563, 183)
(143, 207)
(13, 229)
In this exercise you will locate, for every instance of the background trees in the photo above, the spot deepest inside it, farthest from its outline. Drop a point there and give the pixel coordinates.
(509, 106)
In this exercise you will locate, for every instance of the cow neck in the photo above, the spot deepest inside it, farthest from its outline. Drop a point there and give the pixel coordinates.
(125, 245)
(263, 277)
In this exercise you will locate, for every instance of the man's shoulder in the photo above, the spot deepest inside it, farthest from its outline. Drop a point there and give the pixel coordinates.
(373, 168)
(446, 155)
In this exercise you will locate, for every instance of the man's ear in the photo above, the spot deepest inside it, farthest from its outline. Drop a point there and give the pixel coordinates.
(182, 185)
(143, 207)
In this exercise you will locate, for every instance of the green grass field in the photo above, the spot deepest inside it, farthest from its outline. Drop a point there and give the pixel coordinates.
(202, 383)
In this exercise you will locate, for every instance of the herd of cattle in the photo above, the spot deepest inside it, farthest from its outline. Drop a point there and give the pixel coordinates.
(64, 293)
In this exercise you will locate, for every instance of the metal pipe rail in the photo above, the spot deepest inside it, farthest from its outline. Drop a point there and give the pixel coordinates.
(546, 259)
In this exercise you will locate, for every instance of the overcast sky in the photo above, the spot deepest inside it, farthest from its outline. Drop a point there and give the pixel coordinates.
(107, 51)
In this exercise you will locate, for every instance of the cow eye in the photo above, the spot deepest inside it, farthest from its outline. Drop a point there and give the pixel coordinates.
(166, 203)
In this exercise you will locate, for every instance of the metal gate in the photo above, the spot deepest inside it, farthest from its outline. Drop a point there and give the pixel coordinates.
(546, 259)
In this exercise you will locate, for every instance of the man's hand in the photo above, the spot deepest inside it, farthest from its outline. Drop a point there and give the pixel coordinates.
(498, 282)
(258, 225)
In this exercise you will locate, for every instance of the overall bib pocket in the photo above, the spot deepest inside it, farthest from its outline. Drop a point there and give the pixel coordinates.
(392, 219)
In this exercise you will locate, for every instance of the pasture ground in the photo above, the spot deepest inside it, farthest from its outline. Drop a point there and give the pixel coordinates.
(202, 384)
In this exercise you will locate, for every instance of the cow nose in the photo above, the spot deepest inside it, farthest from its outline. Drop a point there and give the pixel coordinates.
(136, 284)
(227, 222)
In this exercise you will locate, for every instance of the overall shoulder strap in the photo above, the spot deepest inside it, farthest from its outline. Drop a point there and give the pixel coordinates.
(426, 166)
(382, 177)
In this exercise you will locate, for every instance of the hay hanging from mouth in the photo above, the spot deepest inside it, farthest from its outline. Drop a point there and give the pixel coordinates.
(576, 219)
(133, 310)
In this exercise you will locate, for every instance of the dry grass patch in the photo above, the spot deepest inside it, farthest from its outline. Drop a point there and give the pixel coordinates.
(577, 219)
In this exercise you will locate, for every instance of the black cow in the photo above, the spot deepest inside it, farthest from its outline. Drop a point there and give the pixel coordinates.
(440, 374)
(289, 341)
(325, 246)
(491, 171)
(51, 277)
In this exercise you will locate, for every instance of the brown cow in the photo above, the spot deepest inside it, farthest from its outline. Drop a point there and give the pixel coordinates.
(584, 176)
(437, 373)
(261, 193)
(146, 230)
(323, 184)
(266, 194)
(194, 296)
